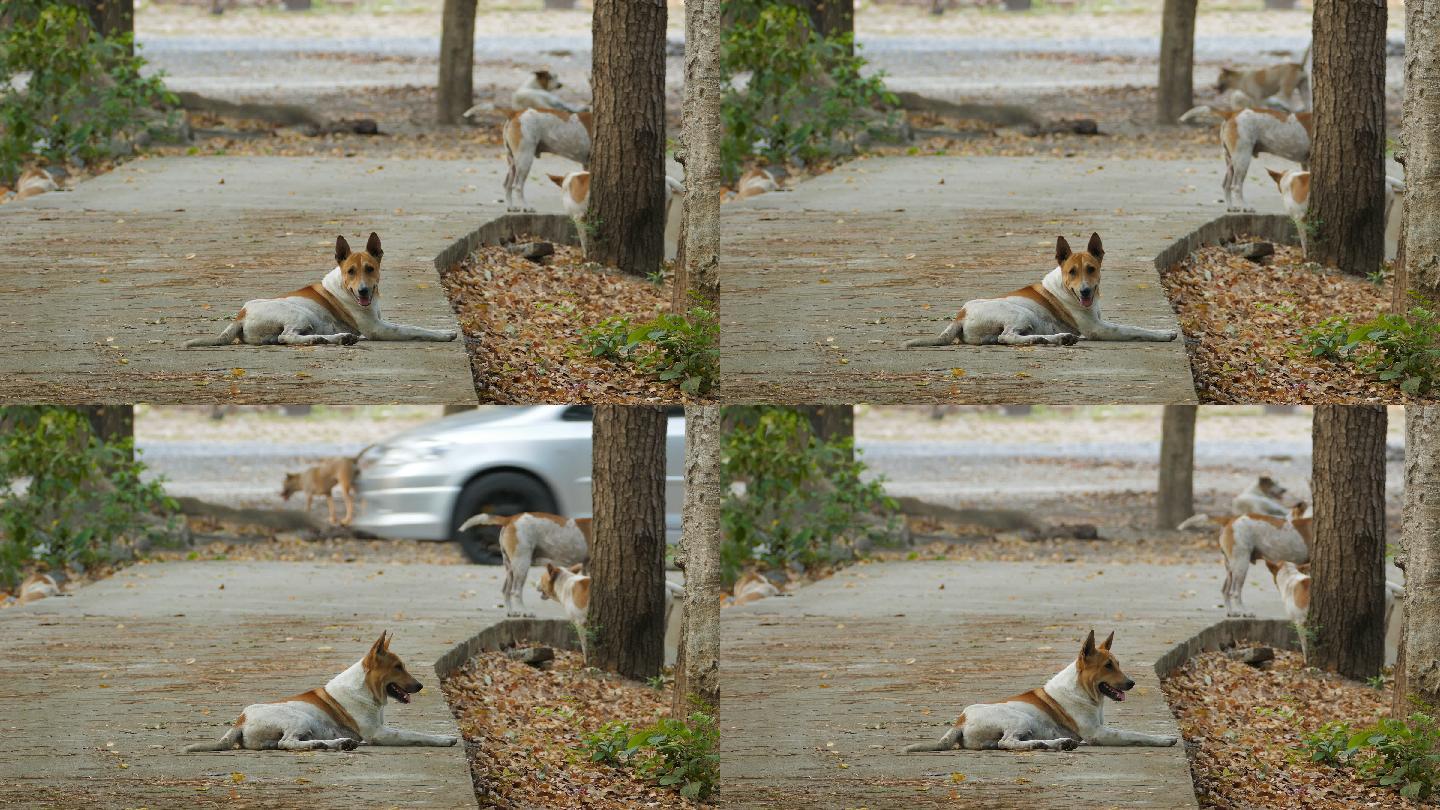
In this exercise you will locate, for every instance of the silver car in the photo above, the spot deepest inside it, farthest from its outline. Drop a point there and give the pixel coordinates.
(422, 484)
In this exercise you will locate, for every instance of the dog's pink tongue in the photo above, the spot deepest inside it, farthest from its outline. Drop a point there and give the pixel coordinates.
(1120, 696)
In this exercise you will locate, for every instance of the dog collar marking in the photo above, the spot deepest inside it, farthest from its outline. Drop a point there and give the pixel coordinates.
(1056, 711)
(1057, 308)
(334, 307)
(336, 711)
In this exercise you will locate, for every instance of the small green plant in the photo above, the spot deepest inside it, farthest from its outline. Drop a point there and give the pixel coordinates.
(83, 90)
(675, 348)
(679, 754)
(67, 499)
(802, 501)
(791, 94)
(1399, 349)
(1403, 754)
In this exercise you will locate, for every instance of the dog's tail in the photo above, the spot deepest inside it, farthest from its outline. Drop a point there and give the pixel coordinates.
(484, 519)
(953, 331)
(952, 738)
(1206, 114)
(1203, 521)
(229, 741)
(225, 338)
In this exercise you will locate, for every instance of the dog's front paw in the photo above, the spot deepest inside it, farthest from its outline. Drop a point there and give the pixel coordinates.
(349, 339)
(1069, 339)
(349, 744)
(1069, 744)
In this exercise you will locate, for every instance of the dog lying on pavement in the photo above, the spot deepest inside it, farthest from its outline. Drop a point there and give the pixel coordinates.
(342, 714)
(1059, 311)
(1067, 711)
(341, 309)
(321, 480)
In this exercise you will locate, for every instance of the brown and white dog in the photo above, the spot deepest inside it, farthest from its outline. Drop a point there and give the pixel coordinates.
(754, 182)
(1067, 711)
(1264, 497)
(341, 308)
(31, 183)
(342, 714)
(1251, 538)
(531, 537)
(1294, 185)
(751, 587)
(1293, 582)
(537, 93)
(575, 198)
(528, 133)
(571, 588)
(1283, 81)
(1060, 310)
(1248, 132)
(35, 587)
(321, 480)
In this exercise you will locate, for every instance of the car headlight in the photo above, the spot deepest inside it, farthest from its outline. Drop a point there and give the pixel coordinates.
(401, 454)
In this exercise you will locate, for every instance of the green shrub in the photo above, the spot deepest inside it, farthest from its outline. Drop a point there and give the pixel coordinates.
(679, 754)
(802, 500)
(803, 96)
(1399, 349)
(675, 348)
(1394, 753)
(67, 499)
(84, 90)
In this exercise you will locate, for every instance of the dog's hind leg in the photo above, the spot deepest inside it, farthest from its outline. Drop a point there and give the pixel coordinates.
(955, 736)
(520, 164)
(232, 738)
(1238, 565)
(956, 329)
(330, 504)
(519, 572)
(235, 330)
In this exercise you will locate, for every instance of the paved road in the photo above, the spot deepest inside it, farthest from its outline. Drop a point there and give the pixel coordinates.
(102, 688)
(822, 284)
(823, 688)
(100, 286)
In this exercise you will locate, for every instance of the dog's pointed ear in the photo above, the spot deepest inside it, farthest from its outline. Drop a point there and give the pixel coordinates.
(1274, 175)
(1089, 647)
(372, 245)
(551, 569)
(557, 179)
(1062, 250)
(1303, 568)
(342, 249)
(1273, 566)
(380, 646)
(1095, 248)
(1105, 645)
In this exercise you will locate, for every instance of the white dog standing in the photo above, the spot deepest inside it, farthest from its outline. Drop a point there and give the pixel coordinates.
(341, 309)
(534, 537)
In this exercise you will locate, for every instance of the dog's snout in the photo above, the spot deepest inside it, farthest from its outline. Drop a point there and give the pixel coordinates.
(417, 686)
(1129, 684)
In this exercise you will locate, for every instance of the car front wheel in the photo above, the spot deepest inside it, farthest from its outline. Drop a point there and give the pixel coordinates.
(501, 493)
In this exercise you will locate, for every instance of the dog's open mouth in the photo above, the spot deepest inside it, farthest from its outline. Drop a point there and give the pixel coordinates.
(394, 690)
(363, 299)
(1111, 692)
(1086, 297)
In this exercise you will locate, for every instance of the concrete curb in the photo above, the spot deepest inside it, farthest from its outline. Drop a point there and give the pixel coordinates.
(1277, 633)
(557, 633)
(1274, 227)
(556, 228)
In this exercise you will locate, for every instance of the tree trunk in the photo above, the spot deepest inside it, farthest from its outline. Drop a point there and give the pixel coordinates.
(111, 17)
(627, 156)
(1420, 154)
(830, 17)
(831, 422)
(1347, 596)
(456, 91)
(1176, 91)
(1417, 677)
(1175, 497)
(111, 423)
(1347, 153)
(697, 273)
(697, 672)
(627, 557)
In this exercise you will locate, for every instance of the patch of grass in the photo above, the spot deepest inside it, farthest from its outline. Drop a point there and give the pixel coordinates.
(679, 349)
(1400, 349)
(678, 754)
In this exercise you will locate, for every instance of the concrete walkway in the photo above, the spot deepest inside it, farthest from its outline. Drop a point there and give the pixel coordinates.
(822, 689)
(100, 286)
(103, 688)
(824, 283)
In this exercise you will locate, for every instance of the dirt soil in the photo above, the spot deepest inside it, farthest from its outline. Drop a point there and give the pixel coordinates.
(1245, 324)
(525, 325)
(1245, 728)
(525, 729)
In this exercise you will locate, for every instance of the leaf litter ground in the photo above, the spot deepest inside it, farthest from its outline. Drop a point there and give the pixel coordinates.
(524, 731)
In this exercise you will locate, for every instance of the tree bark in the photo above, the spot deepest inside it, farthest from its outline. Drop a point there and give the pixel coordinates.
(1420, 154)
(1175, 495)
(627, 558)
(111, 17)
(697, 273)
(1176, 91)
(1347, 596)
(627, 155)
(697, 670)
(456, 89)
(1417, 677)
(111, 423)
(1347, 152)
